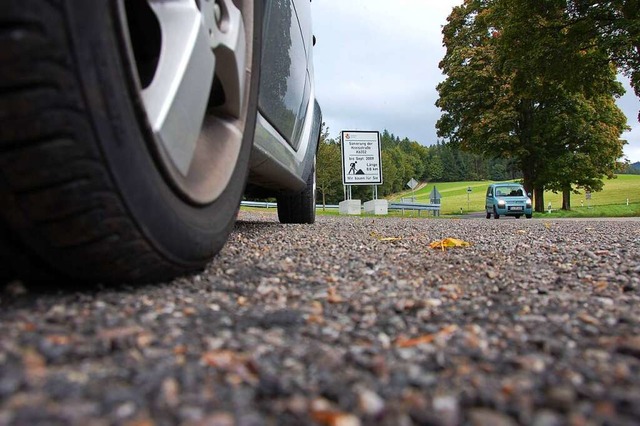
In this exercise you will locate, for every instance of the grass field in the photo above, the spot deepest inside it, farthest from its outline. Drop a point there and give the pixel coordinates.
(611, 201)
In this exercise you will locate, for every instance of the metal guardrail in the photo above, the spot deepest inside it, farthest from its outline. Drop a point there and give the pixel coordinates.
(414, 206)
(267, 205)
(259, 204)
(435, 208)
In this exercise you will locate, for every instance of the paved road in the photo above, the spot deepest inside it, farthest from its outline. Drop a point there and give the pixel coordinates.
(349, 321)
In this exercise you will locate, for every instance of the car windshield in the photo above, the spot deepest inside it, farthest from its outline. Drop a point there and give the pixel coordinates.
(509, 191)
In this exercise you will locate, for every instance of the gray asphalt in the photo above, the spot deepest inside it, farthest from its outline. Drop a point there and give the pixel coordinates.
(351, 321)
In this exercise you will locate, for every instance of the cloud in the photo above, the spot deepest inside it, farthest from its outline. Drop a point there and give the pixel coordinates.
(632, 149)
(376, 67)
(377, 64)
(630, 104)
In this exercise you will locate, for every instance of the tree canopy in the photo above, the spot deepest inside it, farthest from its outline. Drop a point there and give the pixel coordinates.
(532, 82)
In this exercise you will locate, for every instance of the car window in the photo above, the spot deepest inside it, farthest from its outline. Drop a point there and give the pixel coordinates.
(510, 191)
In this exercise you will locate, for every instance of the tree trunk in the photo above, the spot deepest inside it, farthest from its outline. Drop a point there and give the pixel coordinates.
(528, 175)
(566, 198)
(528, 163)
(538, 197)
(323, 201)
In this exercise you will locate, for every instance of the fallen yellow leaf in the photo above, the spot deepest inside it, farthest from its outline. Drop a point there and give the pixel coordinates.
(448, 243)
(382, 238)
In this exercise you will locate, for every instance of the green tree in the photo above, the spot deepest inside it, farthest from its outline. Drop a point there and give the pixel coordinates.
(328, 168)
(591, 147)
(434, 167)
(389, 174)
(510, 66)
(616, 24)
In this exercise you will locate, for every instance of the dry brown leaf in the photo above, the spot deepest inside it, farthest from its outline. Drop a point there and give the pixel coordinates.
(333, 296)
(144, 340)
(29, 326)
(317, 313)
(239, 368)
(119, 333)
(402, 342)
(447, 331)
(605, 409)
(189, 311)
(315, 319)
(335, 418)
(507, 388)
(59, 339)
(463, 370)
(317, 308)
(120, 336)
(140, 422)
(35, 365)
(586, 318)
(600, 286)
(223, 359)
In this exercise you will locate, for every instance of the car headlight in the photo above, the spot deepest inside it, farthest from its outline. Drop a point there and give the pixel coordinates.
(501, 203)
(528, 202)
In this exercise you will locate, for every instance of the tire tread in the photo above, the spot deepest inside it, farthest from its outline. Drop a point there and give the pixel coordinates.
(59, 201)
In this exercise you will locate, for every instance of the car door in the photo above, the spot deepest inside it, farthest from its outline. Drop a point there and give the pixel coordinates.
(488, 204)
(284, 83)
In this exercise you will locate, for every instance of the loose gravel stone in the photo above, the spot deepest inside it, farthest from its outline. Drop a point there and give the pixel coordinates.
(350, 321)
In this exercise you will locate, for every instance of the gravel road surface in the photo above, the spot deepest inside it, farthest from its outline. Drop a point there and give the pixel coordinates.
(351, 321)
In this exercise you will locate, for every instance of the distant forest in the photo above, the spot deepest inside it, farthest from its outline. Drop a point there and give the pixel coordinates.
(630, 169)
(403, 160)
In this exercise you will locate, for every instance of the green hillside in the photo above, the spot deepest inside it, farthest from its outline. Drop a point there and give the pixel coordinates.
(454, 195)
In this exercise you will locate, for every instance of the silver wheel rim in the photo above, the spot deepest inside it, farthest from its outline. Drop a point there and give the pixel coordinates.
(196, 100)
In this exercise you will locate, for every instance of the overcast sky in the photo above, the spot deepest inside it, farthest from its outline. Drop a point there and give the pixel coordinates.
(376, 67)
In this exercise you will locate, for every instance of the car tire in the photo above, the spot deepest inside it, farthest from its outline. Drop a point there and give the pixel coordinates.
(88, 188)
(495, 214)
(518, 216)
(300, 207)
(488, 215)
(529, 216)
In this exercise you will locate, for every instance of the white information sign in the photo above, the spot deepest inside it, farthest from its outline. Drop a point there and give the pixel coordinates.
(361, 164)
